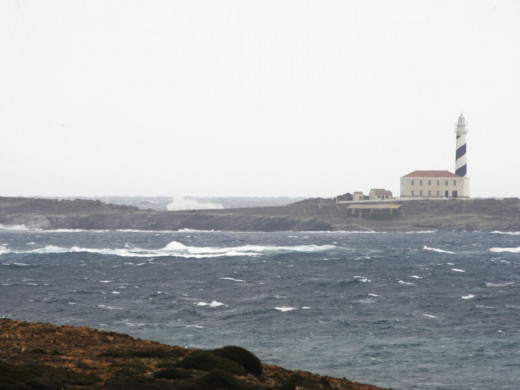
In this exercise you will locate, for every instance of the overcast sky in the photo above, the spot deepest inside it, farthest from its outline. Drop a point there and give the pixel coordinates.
(255, 98)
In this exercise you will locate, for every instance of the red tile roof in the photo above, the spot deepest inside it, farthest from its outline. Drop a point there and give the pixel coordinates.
(442, 174)
(380, 191)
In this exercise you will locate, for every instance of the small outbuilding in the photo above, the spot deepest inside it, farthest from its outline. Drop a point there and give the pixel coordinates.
(380, 194)
(358, 196)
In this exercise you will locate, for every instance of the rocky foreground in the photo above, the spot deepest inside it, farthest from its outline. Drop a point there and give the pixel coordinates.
(308, 215)
(45, 356)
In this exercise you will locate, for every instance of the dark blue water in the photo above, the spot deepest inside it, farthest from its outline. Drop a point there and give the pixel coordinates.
(433, 310)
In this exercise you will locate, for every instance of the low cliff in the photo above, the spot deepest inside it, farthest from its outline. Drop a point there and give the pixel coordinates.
(309, 215)
(44, 356)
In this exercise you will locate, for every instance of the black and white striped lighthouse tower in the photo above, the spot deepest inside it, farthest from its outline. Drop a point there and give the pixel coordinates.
(461, 166)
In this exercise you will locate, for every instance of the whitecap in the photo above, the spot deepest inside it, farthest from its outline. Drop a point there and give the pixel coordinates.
(364, 301)
(373, 295)
(175, 248)
(457, 270)
(285, 308)
(233, 279)
(427, 248)
(429, 316)
(416, 277)
(21, 264)
(362, 279)
(507, 233)
(195, 326)
(489, 284)
(507, 250)
(405, 283)
(107, 307)
(211, 304)
(469, 296)
(306, 307)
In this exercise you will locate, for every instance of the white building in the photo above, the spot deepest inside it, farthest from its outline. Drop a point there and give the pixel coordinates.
(380, 194)
(433, 184)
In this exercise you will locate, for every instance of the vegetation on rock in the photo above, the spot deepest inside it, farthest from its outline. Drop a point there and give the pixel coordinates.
(43, 356)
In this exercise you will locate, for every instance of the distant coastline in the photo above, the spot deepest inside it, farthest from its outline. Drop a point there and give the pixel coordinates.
(316, 214)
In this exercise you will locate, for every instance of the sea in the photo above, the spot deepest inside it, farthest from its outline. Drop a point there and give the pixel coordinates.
(422, 310)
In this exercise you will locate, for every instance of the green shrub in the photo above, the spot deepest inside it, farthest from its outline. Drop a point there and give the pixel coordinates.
(219, 380)
(172, 373)
(208, 361)
(251, 364)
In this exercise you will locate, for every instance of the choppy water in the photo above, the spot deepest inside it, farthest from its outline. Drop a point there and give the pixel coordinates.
(431, 310)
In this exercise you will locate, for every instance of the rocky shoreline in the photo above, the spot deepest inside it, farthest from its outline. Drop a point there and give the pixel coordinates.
(308, 215)
(45, 356)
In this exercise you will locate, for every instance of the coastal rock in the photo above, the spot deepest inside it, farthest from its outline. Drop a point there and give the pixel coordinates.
(37, 355)
(308, 215)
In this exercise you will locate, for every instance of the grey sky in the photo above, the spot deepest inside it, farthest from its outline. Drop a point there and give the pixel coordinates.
(255, 98)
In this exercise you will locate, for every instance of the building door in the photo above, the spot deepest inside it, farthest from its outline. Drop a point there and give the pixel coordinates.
(447, 194)
(454, 194)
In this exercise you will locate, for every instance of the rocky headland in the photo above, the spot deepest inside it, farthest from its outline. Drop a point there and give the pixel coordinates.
(308, 215)
(45, 356)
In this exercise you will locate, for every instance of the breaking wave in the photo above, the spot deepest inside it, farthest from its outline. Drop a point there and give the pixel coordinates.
(178, 249)
(181, 203)
(15, 227)
(508, 250)
(427, 248)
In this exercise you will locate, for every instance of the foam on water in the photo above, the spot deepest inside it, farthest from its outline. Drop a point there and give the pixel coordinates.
(211, 304)
(505, 250)
(457, 270)
(505, 284)
(177, 249)
(233, 279)
(285, 308)
(506, 233)
(469, 296)
(427, 248)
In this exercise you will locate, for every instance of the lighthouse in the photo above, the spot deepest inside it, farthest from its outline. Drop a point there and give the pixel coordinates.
(441, 184)
(461, 165)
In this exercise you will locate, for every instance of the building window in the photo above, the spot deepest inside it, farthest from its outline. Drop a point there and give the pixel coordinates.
(420, 193)
(446, 182)
(429, 182)
(454, 182)
(412, 182)
(420, 182)
(413, 192)
(429, 193)
(438, 182)
(437, 192)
